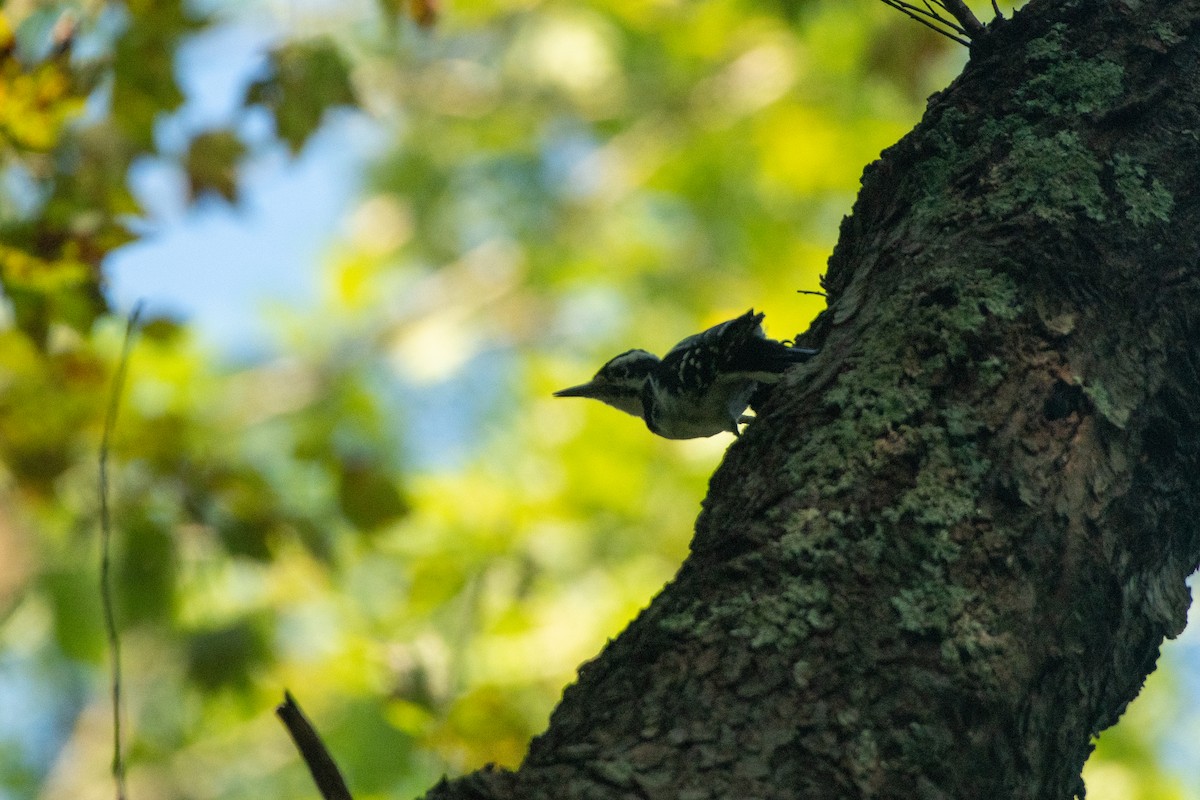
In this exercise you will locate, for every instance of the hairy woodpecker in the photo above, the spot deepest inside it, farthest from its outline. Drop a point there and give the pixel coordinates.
(702, 386)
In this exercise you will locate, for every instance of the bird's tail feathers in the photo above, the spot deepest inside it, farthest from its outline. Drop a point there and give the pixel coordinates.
(769, 356)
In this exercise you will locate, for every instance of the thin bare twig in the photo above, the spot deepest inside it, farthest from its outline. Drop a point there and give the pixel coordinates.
(927, 14)
(321, 766)
(931, 20)
(930, 13)
(106, 599)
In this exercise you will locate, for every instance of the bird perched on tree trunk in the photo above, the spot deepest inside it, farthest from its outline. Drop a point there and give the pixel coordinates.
(702, 386)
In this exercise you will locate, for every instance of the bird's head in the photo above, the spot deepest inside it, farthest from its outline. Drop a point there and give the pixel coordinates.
(619, 382)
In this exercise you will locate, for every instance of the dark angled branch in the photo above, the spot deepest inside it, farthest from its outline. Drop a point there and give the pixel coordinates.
(320, 763)
(106, 600)
(967, 20)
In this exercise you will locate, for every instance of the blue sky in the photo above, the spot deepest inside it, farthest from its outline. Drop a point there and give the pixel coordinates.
(219, 266)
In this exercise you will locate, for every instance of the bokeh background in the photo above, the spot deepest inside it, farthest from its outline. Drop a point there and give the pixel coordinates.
(371, 239)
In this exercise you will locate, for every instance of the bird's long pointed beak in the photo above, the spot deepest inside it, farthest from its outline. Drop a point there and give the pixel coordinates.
(582, 390)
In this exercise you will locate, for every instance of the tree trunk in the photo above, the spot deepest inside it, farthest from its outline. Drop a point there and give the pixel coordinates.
(944, 557)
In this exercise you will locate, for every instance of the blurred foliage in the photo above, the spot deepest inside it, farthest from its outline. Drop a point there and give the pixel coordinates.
(309, 77)
(390, 516)
(211, 164)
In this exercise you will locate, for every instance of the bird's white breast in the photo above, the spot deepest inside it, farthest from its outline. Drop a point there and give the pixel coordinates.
(689, 416)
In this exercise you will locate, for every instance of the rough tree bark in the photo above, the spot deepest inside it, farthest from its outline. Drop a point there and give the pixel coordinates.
(945, 556)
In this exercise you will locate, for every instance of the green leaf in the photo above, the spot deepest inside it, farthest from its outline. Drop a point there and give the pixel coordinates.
(89, 188)
(247, 514)
(225, 657)
(212, 164)
(144, 67)
(54, 286)
(162, 329)
(37, 102)
(146, 568)
(369, 497)
(75, 600)
(309, 78)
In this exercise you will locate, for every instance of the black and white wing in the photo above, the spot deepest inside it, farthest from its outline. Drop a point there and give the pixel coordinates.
(735, 349)
(706, 381)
